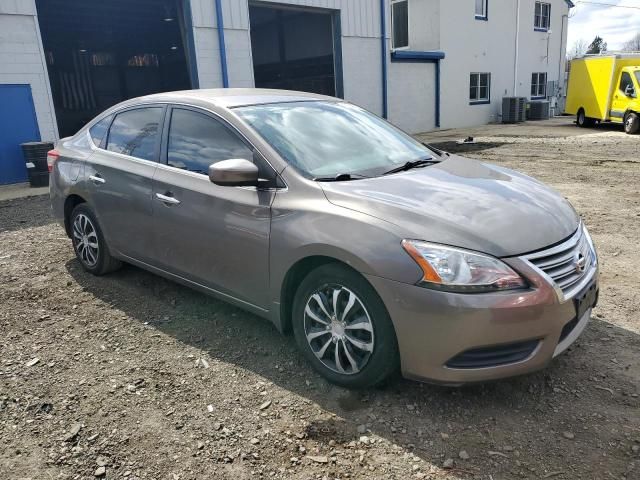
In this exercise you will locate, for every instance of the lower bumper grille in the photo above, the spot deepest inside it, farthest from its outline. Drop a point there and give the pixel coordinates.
(486, 357)
(568, 328)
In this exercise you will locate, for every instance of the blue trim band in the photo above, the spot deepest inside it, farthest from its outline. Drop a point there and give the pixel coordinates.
(411, 55)
(223, 49)
(383, 44)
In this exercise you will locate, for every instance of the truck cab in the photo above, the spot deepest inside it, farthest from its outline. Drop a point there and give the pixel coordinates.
(605, 88)
(625, 99)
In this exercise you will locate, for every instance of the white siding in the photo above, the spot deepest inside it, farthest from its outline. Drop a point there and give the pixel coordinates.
(490, 46)
(22, 60)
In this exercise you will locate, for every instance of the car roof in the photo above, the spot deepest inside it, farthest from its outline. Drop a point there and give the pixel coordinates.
(232, 97)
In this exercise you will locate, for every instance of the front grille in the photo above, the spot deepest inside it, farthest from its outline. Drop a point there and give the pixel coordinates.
(495, 356)
(562, 262)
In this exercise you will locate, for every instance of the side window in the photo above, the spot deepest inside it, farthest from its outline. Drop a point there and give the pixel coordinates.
(542, 16)
(625, 81)
(538, 85)
(197, 140)
(399, 24)
(99, 130)
(481, 9)
(480, 87)
(135, 133)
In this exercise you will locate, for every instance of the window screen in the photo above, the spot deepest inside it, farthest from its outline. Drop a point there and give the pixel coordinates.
(135, 133)
(400, 23)
(197, 140)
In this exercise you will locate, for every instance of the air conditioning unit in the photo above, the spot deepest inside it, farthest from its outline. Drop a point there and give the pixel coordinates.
(513, 109)
(538, 110)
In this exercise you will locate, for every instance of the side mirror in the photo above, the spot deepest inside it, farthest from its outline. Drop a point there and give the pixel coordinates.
(629, 91)
(236, 172)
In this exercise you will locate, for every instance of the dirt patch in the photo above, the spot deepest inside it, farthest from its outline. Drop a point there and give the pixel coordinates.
(136, 377)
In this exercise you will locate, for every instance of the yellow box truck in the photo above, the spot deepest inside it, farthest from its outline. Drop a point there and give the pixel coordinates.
(605, 88)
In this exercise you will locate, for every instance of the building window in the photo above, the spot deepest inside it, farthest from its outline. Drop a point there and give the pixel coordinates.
(482, 9)
(538, 85)
(480, 88)
(542, 16)
(400, 24)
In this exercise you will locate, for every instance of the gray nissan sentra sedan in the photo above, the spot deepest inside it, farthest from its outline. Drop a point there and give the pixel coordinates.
(379, 253)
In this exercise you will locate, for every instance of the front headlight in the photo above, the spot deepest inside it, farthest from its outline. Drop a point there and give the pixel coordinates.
(456, 270)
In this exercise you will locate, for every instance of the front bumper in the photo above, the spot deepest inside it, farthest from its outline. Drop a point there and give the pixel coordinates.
(434, 327)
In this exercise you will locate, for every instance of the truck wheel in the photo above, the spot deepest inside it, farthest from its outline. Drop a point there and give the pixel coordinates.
(583, 121)
(631, 123)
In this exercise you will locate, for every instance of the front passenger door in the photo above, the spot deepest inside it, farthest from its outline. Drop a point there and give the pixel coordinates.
(213, 235)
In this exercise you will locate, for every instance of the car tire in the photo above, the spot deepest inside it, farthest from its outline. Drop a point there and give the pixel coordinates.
(88, 242)
(583, 121)
(631, 123)
(361, 329)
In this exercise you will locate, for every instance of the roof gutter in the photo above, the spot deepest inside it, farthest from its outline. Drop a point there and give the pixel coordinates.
(223, 49)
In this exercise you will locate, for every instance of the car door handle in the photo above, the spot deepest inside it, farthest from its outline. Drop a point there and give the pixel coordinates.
(97, 179)
(167, 199)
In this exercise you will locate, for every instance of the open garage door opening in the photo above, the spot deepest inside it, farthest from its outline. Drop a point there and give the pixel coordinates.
(102, 52)
(296, 48)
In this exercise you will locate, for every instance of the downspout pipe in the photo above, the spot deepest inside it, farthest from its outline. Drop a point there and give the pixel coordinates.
(517, 52)
(383, 50)
(223, 49)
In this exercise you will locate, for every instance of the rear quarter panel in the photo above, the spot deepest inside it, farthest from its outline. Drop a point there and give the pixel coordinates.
(68, 171)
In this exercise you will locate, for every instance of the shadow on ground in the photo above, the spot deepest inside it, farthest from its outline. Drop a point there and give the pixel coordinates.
(582, 392)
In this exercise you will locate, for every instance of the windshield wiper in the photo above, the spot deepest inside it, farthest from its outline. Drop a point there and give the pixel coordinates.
(412, 164)
(341, 177)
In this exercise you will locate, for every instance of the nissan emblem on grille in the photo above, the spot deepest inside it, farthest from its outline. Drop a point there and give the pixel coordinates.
(581, 262)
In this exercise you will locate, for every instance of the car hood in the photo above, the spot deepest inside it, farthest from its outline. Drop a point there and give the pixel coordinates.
(464, 203)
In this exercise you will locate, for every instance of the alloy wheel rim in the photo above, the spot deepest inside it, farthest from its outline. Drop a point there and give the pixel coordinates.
(85, 240)
(338, 329)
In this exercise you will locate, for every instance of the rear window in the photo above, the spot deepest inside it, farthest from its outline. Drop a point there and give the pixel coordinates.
(99, 130)
(135, 133)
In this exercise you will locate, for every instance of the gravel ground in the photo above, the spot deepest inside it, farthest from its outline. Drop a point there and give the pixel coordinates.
(132, 376)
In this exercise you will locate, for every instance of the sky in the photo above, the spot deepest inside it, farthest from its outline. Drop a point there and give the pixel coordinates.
(614, 24)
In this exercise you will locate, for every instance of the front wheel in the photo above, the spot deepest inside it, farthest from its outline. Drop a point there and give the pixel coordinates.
(343, 328)
(631, 123)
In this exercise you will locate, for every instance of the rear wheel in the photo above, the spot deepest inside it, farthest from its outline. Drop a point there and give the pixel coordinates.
(89, 243)
(583, 121)
(343, 328)
(632, 123)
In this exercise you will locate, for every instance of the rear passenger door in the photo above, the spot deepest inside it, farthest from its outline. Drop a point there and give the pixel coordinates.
(119, 179)
(215, 236)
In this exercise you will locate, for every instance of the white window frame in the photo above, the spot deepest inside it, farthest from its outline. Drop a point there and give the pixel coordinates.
(479, 100)
(484, 14)
(538, 19)
(393, 37)
(539, 87)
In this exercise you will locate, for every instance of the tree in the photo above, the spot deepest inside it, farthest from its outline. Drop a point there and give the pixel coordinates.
(597, 46)
(632, 45)
(578, 49)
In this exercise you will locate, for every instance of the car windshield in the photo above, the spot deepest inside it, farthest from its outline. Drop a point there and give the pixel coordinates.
(637, 72)
(327, 139)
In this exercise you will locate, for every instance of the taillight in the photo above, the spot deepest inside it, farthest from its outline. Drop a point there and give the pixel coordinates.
(52, 156)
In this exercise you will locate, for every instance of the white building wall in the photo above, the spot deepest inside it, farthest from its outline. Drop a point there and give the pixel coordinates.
(360, 26)
(22, 60)
(490, 46)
